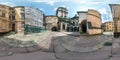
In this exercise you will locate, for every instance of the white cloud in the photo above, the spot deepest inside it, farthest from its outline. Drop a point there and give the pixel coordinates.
(84, 8)
(103, 11)
(106, 15)
(52, 2)
(8, 3)
(86, 2)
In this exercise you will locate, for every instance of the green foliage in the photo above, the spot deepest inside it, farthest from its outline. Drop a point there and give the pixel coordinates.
(67, 20)
(81, 32)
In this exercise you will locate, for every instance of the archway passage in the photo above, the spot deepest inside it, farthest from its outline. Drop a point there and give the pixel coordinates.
(84, 26)
(54, 29)
(63, 26)
(76, 29)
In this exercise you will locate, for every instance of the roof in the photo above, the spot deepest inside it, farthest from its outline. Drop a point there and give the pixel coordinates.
(4, 5)
(75, 17)
(115, 4)
(51, 16)
(62, 8)
(81, 12)
(94, 11)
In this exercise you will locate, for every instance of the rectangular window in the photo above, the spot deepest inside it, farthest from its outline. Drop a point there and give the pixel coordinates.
(13, 17)
(10, 18)
(22, 16)
(3, 14)
(89, 25)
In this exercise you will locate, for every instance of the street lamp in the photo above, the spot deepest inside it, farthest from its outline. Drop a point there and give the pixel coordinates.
(114, 9)
(115, 22)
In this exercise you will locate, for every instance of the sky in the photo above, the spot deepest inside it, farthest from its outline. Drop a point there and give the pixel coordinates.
(49, 6)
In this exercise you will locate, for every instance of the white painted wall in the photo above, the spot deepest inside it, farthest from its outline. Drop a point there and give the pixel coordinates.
(82, 16)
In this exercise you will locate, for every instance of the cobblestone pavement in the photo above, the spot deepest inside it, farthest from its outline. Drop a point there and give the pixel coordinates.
(82, 43)
(39, 55)
(104, 53)
(10, 44)
(4, 49)
(36, 44)
(65, 54)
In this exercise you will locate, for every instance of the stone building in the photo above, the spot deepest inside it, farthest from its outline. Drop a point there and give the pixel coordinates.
(51, 23)
(75, 23)
(62, 12)
(64, 25)
(109, 26)
(115, 10)
(4, 18)
(34, 20)
(21, 19)
(28, 19)
(17, 19)
(103, 27)
(90, 22)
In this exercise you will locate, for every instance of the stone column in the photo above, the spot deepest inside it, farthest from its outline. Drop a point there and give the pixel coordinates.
(79, 28)
(61, 26)
(19, 28)
(65, 26)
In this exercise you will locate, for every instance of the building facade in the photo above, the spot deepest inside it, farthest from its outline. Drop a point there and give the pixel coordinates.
(115, 10)
(75, 24)
(4, 19)
(34, 20)
(21, 19)
(90, 22)
(51, 23)
(109, 26)
(28, 19)
(62, 12)
(83, 28)
(18, 19)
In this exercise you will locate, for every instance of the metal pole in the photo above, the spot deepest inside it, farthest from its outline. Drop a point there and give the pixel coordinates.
(115, 22)
(115, 30)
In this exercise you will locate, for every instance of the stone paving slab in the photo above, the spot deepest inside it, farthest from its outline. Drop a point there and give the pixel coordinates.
(82, 44)
(39, 42)
(39, 55)
(64, 54)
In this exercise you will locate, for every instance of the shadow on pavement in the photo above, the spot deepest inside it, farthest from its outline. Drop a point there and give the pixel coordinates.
(63, 53)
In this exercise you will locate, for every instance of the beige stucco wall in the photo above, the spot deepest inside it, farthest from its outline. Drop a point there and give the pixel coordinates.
(51, 21)
(94, 31)
(95, 18)
(4, 21)
(82, 16)
(109, 26)
(19, 21)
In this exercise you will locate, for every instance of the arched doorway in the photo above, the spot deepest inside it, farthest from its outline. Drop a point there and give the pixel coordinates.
(54, 29)
(13, 27)
(67, 28)
(63, 26)
(75, 29)
(84, 26)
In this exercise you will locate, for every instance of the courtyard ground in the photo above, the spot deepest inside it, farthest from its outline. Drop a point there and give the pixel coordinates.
(58, 46)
